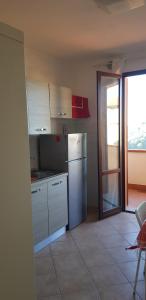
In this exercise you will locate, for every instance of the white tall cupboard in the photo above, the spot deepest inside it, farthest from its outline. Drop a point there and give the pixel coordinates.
(16, 244)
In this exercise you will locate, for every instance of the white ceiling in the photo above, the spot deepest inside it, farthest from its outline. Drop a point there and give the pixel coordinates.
(66, 28)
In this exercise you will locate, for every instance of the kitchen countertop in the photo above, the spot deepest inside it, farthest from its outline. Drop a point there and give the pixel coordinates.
(37, 176)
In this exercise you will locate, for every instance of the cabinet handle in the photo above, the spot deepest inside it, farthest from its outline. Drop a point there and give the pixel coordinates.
(41, 129)
(36, 191)
(56, 183)
(64, 114)
(59, 113)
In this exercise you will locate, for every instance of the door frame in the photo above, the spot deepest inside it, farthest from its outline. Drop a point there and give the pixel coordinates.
(124, 125)
(121, 142)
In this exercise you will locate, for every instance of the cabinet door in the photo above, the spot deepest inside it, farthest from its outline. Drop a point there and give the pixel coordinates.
(57, 203)
(38, 107)
(60, 101)
(39, 212)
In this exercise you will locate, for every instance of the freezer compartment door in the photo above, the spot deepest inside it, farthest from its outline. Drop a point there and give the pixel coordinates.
(77, 146)
(77, 192)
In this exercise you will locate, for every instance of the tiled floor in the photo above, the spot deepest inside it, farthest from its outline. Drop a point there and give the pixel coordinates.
(135, 197)
(91, 263)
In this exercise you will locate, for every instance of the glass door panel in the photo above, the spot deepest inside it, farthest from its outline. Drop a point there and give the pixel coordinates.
(110, 187)
(109, 133)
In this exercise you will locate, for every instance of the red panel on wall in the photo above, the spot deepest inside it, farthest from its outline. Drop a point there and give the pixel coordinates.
(80, 107)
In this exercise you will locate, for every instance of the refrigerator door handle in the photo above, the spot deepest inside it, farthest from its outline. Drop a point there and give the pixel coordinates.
(84, 157)
(67, 161)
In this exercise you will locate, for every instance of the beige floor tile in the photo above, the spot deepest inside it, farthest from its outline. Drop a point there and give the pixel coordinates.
(64, 237)
(114, 240)
(84, 234)
(120, 255)
(123, 219)
(140, 289)
(91, 257)
(63, 247)
(118, 292)
(107, 275)
(44, 265)
(69, 263)
(104, 231)
(75, 281)
(129, 270)
(44, 252)
(82, 296)
(96, 257)
(126, 227)
(89, 243)
(130, 237)
(47, 286)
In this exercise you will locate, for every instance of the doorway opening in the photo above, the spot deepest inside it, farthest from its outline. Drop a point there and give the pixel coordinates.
(135, 139)
(109, 144)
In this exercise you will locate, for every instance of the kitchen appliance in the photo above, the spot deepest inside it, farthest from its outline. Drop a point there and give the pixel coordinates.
(68, 153)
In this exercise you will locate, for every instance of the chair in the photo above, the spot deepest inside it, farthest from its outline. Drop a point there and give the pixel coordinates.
(141, 217)
(141, 213)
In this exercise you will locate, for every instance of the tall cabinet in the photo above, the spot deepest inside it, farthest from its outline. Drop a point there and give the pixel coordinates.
(16, 261)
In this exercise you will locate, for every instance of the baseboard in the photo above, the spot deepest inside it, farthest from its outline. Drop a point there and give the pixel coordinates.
(38, 247)
(140, 187)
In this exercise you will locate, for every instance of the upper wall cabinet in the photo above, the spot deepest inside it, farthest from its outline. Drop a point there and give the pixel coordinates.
(65, 105)
(38, 107)
(60, 101)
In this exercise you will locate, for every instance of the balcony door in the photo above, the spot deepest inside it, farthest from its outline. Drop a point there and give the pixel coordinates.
(109, 144)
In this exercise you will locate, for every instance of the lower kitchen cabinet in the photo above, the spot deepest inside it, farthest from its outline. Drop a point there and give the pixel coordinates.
(57, 202)
(39, 212)
(49, 206)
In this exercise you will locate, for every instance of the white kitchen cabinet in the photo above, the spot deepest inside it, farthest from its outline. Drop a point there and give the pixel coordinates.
(39, 211)
(49, 206)
(38, 107)
(16, 261)
(57, 203)
(60, 101)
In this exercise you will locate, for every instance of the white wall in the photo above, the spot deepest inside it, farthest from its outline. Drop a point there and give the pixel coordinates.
(137, 168)
(136, 161)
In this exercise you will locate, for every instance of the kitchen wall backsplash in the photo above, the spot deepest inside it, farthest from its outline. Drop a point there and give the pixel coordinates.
(58, 127)
(33, 142)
